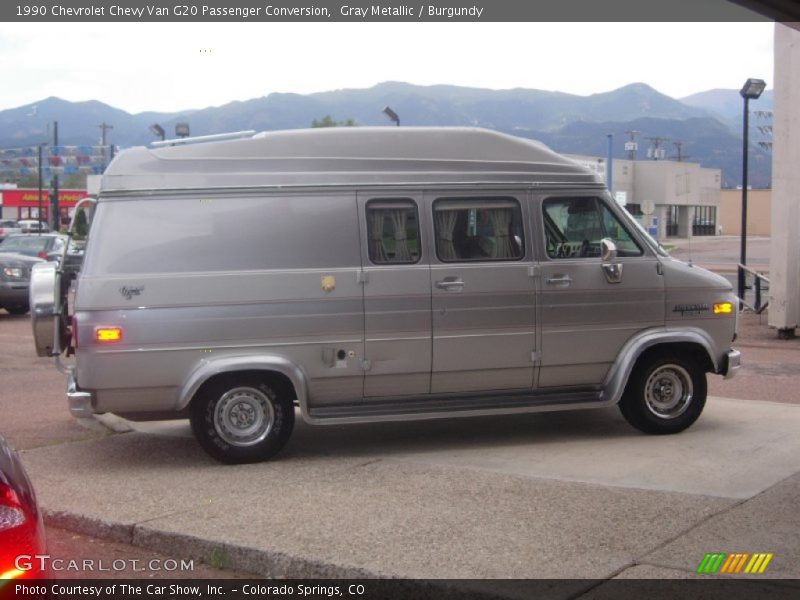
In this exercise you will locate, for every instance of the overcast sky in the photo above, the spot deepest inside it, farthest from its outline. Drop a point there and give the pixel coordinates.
(167, 67)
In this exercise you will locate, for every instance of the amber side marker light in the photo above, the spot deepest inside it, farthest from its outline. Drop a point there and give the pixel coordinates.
(723, 308)
(108, 335)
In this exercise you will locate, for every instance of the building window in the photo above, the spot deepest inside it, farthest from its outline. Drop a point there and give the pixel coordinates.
(672, 221)
(705, 220)
(393, 231)
(478, 229)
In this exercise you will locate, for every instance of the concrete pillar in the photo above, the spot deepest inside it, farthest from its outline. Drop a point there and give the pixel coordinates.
(784, 293)
(685, 219)
(661, 212)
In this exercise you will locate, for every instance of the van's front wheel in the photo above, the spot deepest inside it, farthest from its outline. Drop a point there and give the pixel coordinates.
(665, 394)
(241, 419)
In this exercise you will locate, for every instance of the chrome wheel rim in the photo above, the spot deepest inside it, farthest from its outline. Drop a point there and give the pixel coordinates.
(244, 416)
(668, 391)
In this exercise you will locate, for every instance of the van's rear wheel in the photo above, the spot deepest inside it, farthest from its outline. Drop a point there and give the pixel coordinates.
(665, 394)
(241, 419)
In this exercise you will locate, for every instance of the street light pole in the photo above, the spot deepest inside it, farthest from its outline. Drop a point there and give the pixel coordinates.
(753, 88)
(743, 239)
(55, 217)
(39, 215)
(392, 115)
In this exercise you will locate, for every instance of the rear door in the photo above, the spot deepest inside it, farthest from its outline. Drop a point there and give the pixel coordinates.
(484, 321)
(586, 318)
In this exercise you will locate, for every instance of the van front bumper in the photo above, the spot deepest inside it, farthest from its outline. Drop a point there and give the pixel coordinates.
(733, 362)
(80, 402)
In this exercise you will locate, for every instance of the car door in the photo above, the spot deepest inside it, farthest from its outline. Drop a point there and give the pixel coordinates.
(484, 323)
(397, 295)
(587, 316)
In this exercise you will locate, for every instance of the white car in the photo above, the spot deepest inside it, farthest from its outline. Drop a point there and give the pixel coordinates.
(34, 226)
(8, 227)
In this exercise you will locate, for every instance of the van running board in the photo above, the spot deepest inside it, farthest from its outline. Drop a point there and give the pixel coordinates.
(374, 409)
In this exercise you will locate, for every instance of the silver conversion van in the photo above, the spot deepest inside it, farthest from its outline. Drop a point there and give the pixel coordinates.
(374, 274)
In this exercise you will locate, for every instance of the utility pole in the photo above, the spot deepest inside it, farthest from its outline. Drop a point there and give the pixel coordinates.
(631, 146)
(103, 128)
(679, 149)
(55, 217)
(656, 151)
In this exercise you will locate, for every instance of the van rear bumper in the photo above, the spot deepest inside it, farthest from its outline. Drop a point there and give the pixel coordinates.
(80, 402)
(733, 360)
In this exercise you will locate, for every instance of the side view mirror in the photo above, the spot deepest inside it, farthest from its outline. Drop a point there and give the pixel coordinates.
(54, 256)
(608, 250)
(608, 253)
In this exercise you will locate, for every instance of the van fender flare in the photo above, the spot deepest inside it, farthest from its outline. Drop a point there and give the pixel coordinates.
(231, 364)
(617, 378)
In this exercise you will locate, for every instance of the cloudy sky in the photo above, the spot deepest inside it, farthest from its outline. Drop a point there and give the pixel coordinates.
(167, 67)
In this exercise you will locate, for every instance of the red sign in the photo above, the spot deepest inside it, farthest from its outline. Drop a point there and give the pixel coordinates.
(20, 198)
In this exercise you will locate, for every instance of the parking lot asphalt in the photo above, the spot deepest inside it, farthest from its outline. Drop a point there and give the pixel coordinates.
(557, 495)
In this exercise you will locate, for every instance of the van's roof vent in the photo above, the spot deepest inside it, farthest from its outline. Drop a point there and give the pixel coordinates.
(198, 139)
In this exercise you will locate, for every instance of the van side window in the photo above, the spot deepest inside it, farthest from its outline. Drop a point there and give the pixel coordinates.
(393, 231)
(575, 226)
(478, 229)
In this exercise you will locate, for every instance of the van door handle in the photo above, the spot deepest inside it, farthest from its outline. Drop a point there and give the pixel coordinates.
(450, 284)
(563, 280)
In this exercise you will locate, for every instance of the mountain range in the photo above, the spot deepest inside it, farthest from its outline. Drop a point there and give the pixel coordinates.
(707, 124)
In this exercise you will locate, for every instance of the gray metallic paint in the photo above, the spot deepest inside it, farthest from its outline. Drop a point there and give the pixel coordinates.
(407, 343)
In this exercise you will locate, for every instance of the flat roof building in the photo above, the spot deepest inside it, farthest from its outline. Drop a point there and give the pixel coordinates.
(670, 198)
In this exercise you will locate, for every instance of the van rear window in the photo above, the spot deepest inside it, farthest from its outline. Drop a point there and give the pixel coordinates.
(189, 235)
(393, 231)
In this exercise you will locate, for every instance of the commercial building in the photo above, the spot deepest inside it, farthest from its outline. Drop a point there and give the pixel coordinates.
(670, 198)
(19, 203)
(759, 212)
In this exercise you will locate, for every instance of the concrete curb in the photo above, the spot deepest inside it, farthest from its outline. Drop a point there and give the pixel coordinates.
(216, 554)
(277, 565)
(112, 532)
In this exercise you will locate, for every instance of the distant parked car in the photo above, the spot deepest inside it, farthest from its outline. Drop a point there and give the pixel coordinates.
(34, 226)
(20, 252)
(21, 527)
(15, 278)
(9, 227)
(43, 246)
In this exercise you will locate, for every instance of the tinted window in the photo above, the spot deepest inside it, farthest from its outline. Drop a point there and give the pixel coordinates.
(575, 226)
(393, 231)
(478, 229)
(223, 234)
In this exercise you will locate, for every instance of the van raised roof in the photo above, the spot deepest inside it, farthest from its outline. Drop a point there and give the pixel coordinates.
(345, 156)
